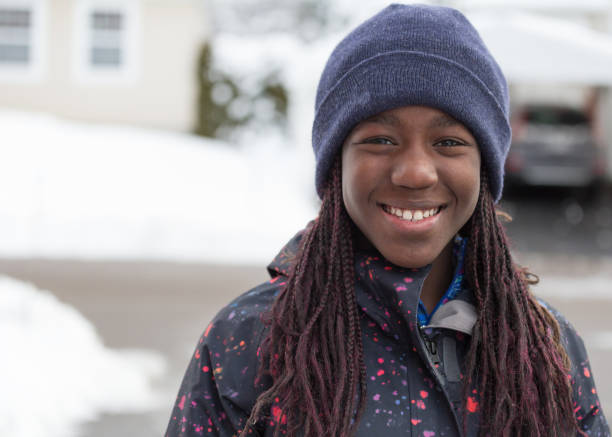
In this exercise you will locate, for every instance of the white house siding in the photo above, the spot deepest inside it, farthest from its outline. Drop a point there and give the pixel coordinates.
(160, 88)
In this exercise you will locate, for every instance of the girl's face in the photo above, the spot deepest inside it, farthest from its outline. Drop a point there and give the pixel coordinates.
(410, 181)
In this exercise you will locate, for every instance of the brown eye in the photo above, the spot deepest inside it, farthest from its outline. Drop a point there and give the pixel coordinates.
(378, 140)
(449, 142)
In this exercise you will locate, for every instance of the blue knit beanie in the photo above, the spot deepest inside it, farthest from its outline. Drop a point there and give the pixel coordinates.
(413, 55)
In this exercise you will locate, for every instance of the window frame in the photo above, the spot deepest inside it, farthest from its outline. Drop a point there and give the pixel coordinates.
(33, 69)
(85, 72)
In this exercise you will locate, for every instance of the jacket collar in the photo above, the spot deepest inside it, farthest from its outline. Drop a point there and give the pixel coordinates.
(282, 262)
(388, 294)
(457, 314)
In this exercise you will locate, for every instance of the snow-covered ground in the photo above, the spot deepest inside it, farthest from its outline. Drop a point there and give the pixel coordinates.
(73, 190)
(56, 373)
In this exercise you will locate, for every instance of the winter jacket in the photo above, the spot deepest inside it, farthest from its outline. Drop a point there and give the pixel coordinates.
(413, 372)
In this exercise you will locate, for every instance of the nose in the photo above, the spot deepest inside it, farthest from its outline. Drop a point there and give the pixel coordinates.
(414, 168)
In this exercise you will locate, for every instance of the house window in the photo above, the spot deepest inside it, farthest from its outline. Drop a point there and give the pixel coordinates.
(107, 49)
(107, 41)
(15, 36)
(22, 40)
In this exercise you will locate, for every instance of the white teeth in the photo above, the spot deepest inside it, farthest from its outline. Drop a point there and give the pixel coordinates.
(409, 215)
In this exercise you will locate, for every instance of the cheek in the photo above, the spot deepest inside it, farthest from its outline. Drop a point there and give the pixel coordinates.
(353, 178)
(348, 185)
(472, 186)
(475, 194)
(346, 177)
(464, 180)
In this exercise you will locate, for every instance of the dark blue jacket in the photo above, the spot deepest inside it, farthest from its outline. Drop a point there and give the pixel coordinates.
(413, 373)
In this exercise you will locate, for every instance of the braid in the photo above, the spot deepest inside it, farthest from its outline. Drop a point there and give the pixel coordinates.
(515, 358)
(313, 350)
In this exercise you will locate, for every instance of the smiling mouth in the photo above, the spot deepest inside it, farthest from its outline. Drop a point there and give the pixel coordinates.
(412, 215)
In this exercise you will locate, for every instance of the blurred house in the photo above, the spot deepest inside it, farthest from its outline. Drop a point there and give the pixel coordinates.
(555, 53)
(118, 61)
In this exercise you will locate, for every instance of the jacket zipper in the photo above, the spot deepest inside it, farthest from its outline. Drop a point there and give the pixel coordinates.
(433, 357)
(433, 350)
(430, 347)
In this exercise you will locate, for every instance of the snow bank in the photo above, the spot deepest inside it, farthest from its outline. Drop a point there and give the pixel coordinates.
(55, 372)
(74, 190)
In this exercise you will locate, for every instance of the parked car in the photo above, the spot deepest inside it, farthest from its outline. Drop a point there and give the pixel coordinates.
(554, 146)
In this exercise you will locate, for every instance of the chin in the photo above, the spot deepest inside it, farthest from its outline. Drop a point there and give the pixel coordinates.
(414, 254)
(409, 262)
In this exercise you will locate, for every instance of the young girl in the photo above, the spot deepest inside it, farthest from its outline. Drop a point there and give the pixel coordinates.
(399, 310)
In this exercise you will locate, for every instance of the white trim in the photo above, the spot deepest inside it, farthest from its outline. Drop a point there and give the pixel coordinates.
(34, 70)
(130, 42)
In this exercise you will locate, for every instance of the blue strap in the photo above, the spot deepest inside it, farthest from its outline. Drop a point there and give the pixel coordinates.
(455, 286)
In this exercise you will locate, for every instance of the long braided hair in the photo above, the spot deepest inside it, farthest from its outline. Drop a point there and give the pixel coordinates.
(515, 357)
(313, 350)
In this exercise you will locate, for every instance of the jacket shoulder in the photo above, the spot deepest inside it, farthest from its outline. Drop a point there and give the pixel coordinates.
(587, 407)
(573, 343)
(220, 385)
(241, 320)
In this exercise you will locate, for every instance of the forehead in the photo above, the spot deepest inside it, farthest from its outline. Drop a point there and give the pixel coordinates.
(433, 118)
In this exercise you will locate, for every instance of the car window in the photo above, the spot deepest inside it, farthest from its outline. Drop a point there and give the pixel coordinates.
(555, 116)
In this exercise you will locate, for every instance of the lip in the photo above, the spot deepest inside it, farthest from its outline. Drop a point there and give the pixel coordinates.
(423, 225)
(413, 205)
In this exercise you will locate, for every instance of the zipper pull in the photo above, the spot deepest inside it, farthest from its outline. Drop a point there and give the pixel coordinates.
(432, 348)
(433, 357)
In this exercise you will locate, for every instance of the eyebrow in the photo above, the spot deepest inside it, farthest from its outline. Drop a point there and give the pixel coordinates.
(387, 119)
(443, 121)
